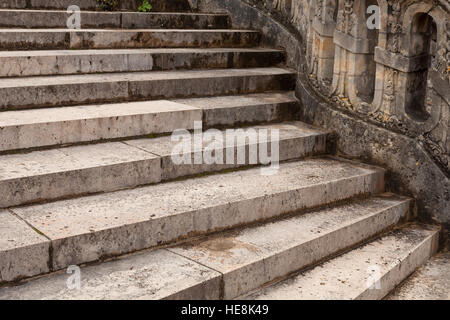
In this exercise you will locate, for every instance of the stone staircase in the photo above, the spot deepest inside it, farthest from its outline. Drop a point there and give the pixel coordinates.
(87, 177)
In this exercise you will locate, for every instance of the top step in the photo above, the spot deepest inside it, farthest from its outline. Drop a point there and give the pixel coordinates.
(19, 18)
(430, 282)
(132, 5)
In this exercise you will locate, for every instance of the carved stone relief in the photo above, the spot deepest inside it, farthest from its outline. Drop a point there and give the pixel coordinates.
(340, 63)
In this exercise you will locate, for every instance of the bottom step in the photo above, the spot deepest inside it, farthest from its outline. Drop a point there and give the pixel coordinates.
(431, 282)
(369, 272)
(228, 264)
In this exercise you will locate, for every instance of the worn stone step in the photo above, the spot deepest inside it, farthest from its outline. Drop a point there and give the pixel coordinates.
(126, 20)
(37, 63)
(35, 128)
(91, 228)
(228, 264)
(71, 171)
(149, 275)
(36, 39)
(430, 282)
(244, 109)
(47, 91)
(366, 273)
(158, 6)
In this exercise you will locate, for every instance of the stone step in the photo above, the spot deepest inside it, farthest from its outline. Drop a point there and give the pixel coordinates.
(228, 264)
(120, 20)
(87, 229)
(60, 62)
(78, 170)
(223, 111)
(430, 282)
(48, 91)
(158, 6)
(367, 273)
(36, 39)
(35, 128)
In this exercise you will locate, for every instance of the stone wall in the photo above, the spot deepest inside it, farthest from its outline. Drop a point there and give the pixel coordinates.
(385, 91)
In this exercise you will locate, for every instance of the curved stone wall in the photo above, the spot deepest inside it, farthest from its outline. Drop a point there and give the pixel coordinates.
(376, 72)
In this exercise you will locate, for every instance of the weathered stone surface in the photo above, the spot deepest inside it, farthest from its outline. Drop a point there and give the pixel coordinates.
(359, 85)
(13, 4)
(295, 141)
(45, 127)
(131, 20)
(35, 39)
(35, 63)
(159, 6)
(145, 276)
(89, 228)
(63, 172)
(20, 39)
(243, 109)
(23, 251)
(430, 282)
(52, 174)
(76, 89)
(401, 63)
(161, 274)
(352, 44)
(255, 256)
(214, 82)
(126, 20)
(56, 19)
(61, 4)
(369, 272)
(275, 34)
(412, 171)
(157, 38)
(291, 30)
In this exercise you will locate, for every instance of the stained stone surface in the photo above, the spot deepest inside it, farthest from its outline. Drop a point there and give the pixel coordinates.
(369, 272)
(24, 252)
(127, 20)
(49, 91)
(430, 282)
(74, 171)
(145, 276)
(252, 257)
(53, 126)
(88, 228)
(266, 251)
(59, 62)
(390, 123)
(36, 39)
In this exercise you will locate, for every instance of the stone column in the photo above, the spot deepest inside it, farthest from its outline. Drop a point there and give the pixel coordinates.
(310, 35)
(322, 55)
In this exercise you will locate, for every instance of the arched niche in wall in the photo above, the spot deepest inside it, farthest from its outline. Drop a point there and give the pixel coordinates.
(422, 39)
(423, 96)
(422, 67)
